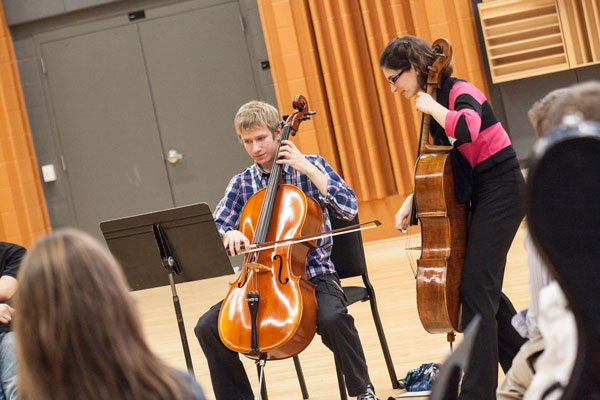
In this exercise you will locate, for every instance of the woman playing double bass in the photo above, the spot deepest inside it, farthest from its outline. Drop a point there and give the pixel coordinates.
(258, 127)
(486, 174)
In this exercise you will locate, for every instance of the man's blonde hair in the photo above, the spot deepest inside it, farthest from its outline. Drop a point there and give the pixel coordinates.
(256, 114)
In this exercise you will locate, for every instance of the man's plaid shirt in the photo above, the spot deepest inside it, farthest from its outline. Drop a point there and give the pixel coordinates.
(340, 198)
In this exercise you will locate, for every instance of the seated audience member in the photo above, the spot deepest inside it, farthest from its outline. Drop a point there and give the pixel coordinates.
(10, 259)
(582, 101)
(78, 333)
(546, 114)
(556, 322)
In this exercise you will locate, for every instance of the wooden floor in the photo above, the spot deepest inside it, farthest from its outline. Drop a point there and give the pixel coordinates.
(394, 283)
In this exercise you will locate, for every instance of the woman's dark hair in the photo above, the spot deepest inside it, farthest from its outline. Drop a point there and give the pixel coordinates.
(400, 53)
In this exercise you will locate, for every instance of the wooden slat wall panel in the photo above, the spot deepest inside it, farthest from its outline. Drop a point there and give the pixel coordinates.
(295, 69)
(329, 51)
(526, 38)
(590, 13)
(575, 31)
(351, 90)
(383, 21)
(523, 38)
(580, 21)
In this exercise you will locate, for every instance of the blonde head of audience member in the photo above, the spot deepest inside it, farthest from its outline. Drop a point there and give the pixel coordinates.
(538, 113)
(581, 100)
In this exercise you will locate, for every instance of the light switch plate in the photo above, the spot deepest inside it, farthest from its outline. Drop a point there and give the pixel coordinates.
(48, 173)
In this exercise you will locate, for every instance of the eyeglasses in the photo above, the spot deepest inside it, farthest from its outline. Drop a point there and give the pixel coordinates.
(394, 78)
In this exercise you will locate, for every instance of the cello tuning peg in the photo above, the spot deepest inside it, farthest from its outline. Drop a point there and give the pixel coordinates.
(285, 117)
(311, 112)
(304, 118)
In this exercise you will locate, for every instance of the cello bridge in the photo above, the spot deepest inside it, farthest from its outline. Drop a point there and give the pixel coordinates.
(258, 267)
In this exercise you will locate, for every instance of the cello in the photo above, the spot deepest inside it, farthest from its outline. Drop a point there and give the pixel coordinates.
(270, 311)
(443, 223)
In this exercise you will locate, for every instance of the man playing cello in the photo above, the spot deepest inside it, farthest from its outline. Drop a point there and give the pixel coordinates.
(258, 127)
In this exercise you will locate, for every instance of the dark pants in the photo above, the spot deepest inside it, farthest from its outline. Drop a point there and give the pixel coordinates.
(496, 213)
(334, 324)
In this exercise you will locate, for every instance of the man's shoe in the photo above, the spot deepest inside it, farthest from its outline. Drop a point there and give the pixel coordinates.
(369, 394)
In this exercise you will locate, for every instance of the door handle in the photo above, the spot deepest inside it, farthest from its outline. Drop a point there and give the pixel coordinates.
(173, 156)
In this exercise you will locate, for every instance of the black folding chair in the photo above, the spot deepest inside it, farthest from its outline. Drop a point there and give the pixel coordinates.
(563, 196)
(447, 383)
(348, 256)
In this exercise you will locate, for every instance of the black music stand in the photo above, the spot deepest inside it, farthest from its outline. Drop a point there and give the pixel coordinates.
(183, 242)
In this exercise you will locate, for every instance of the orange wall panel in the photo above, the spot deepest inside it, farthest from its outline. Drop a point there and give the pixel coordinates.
(23, 214)
(367, 133)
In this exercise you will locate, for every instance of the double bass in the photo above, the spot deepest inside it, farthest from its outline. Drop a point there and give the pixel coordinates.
(443, 223)
(270, 311)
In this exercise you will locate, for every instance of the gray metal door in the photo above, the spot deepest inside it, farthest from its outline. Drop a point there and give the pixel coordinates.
(107, 131)
(123, 94)
(200, 74)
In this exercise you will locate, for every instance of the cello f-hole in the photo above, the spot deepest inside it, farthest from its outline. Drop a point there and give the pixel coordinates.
(275, 257)
(243, 282)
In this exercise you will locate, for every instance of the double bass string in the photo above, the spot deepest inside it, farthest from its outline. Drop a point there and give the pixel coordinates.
(408, 247)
